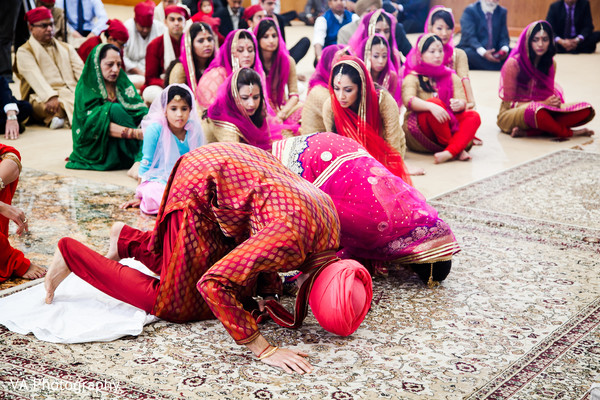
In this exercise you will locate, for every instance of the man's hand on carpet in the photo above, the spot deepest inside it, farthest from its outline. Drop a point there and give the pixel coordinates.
(289, 360)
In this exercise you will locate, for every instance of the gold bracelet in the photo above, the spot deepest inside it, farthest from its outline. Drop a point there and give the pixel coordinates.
(268, 353)
(2, 185)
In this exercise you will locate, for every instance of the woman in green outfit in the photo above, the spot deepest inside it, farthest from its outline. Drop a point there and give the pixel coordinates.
(108, 109)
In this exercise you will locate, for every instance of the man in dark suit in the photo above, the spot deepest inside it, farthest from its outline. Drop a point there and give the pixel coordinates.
(231, 17)
(13, 112)
(484, 35)
(571, 21)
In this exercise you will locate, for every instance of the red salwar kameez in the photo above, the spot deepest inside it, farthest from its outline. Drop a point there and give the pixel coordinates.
(232, 217)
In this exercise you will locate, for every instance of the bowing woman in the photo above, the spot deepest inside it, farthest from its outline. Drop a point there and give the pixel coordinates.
(239, 112)
(357, 110)
(280, 70)
(238, 51)
(198, 49)
(108, 110)
(532, 102)
(382, 218)
(436, 120)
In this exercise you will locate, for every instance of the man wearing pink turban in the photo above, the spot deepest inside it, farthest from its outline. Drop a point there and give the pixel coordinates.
(231, 219)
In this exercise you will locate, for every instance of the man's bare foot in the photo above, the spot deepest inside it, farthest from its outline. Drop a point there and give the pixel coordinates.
(442, 157)
(57, 273)
(518, 132)
(464, 156)
(34, 272)
(477, 141)
(582, 132)
(113, 249)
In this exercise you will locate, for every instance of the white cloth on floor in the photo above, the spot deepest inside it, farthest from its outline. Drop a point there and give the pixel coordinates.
(79, 313)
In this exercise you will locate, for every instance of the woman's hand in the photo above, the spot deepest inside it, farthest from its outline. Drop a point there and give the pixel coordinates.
(289, 360)
(439, 113)
(458, 105)
(553, 101)
(16, 215)
(135, 202)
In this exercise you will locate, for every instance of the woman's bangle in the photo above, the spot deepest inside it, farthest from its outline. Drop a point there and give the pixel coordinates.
(268, 353)
(262, 352)
(125, 133)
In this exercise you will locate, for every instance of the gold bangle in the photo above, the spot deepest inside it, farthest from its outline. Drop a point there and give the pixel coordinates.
(2, 185)
(268, 353)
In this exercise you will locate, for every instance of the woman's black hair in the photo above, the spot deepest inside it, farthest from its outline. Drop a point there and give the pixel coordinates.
(424, 82)
(179, 91)
(244, 34)
(547, 59)
(379, 40)
(105, 50)
(248, 76)
(354, 76)
(263, 26)
(443, 15)
(384, 17)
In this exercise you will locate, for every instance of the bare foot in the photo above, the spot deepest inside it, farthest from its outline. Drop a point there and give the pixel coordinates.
(113, 250)
(582, 132)
(57, 273)
(518, 132)
(477, 141)
(133, 171)
(464, 156)
(442, 157)
(414, 170)
(34, 272)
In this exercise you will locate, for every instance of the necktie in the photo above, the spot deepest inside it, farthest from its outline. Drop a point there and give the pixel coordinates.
(80, 16)
(570, 23)
(490, 43)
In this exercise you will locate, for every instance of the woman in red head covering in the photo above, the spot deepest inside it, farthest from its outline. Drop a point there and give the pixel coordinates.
(357, 110)
(437, 120)
(532, 102)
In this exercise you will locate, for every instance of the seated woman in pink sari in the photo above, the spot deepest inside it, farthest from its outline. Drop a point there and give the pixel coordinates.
(378, 22)
(198, 49)
(280, 70)
(240, 113)
(532, 102)
(238, 51)
(376, 54)
(382, 218)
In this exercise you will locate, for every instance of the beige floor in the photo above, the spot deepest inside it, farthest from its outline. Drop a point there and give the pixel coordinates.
(46, 150)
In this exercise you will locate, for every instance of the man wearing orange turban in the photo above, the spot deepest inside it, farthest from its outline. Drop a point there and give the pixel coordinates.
(115, 33)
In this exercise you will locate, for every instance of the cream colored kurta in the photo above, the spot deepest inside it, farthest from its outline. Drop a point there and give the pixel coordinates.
(48, 71)
(391, 131)
(312, 111)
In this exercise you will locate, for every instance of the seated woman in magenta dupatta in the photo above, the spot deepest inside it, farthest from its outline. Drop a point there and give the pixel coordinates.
(280, 70)
(378, 22)
(108, 109)
(171, 129)
(532, 102)
(356, 109)
(382, 218)
(318, 89)
(375, 53)
(198, 49)
(238, 51)
(440, 22)
(239, 113)
(232, 218)
(436, 120)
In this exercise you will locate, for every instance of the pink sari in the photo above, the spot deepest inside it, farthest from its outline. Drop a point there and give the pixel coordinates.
(382, 217)
(522, 82)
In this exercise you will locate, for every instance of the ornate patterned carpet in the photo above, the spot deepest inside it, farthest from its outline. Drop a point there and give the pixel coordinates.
(518, 317)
